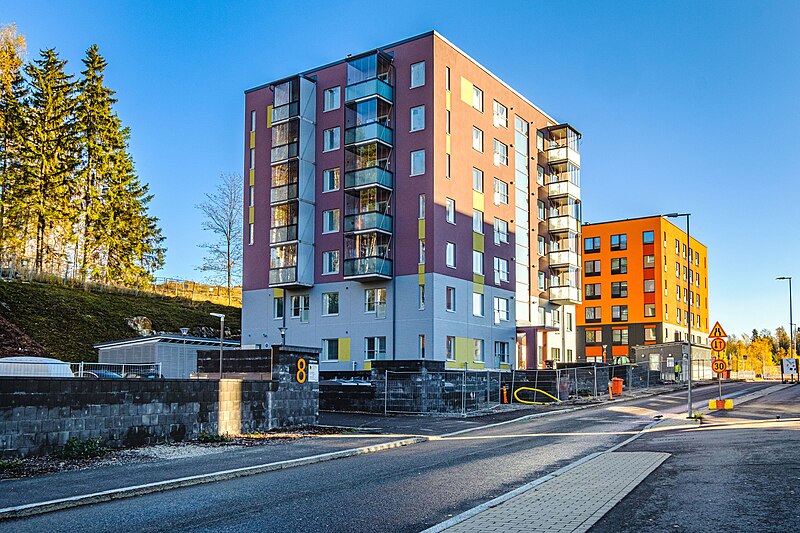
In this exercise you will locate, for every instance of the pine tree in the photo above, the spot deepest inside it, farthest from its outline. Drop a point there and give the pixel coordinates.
(52, 152)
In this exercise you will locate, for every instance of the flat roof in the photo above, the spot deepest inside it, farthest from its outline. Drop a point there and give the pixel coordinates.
(665, 218)
(169, 338)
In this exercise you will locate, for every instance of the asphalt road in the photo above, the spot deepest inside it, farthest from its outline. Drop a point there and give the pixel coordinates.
(406, 489)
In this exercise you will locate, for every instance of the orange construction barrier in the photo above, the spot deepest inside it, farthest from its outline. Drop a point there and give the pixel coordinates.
(616, 385)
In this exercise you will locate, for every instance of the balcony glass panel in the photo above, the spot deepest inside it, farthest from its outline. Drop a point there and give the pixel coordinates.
(284, 152)
(365, 89)
(284, 192)
(368, 266)
(283, 234)
(284, 112)
(283, 275)
(369, 155)
(368, 132)
(368, 176)
(370, 221)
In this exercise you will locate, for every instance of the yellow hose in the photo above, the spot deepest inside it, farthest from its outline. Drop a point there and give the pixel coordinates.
(516, 392)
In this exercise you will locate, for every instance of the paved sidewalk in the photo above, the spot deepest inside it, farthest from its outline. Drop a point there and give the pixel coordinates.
(571, 501)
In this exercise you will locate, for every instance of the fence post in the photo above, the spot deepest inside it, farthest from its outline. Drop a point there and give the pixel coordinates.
(488, 388)
(80, 370)
(385, 390)
(595, 379)
(464, 392)
(511, 392)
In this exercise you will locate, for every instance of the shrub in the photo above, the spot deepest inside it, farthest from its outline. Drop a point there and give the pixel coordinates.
(86, 449)
(206, 437)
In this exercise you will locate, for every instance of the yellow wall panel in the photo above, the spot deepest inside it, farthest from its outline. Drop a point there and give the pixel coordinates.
(277, 293)
(477, 278)
(252, 139)
(477, 287)
(421, 269)
(269, 116)
(252, 177)
(421, 279)
(477, 200)
(466, 91)
(447, 100)
(367, 365)
(447, 143)
(344, 349)
(478, 241)
(421, 228)
(252, 214)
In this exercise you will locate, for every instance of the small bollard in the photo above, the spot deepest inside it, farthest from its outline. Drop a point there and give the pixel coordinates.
(610, 395)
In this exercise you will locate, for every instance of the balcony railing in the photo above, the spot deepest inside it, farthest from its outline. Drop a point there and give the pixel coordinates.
(283, 276)
(368, 267)
(283, 234)
(366, 177)
(563, 188)
(563, 223)
(283, 193)
(368, 132)
(370, 221)
(565, 295)
(563, 154)
(365, 89)
(285, 112)
(564, 258)
(284, 152)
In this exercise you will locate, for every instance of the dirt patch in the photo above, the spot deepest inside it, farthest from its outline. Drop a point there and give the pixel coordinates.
(13, 342)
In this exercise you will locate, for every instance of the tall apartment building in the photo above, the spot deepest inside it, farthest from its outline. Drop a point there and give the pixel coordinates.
(405, 203)
(638, 287)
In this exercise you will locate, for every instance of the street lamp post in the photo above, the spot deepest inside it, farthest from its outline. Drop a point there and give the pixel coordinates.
(221, 336)
(689, 313)
(792, 348)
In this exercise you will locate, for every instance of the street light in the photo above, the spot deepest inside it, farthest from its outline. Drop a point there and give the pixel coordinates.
(282, 331)
(689, 315)
(221, 336)
(791, 324)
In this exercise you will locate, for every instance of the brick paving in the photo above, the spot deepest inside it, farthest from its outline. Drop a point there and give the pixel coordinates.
(572, 501)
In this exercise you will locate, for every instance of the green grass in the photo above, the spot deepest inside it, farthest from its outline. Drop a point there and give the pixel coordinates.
(68, 321)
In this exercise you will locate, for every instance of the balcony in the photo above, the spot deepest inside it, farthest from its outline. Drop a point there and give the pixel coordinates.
(368, 268)
(285, 112)
(368, 132)
(368, 177)
(367, 89)
(564, 258)
(284, 193)
(565, 295)
(369, 221)
(283, 234)
(283, 276)
(284, 152)
(562, 223)
(561, 189)
(563, 154)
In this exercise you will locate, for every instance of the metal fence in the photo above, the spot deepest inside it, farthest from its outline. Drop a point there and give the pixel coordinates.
(116, 370)
(35, 367)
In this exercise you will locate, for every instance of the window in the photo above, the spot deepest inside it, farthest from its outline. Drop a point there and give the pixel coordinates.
(619, 336)
(331, 99)
(501, 352)
(477, 139)
(591, 268)
(417, 162)
(477, 350)
(421, 211)
(330, 180)
(500, 270)
(500, 192)
(300, 305)
(594, 336)
(450, 210)
(477, 262)
(500, 115)
(450, 254)
(421, 297)
(418, 118)
(277, 307)
(619, 242)
(541, 316)
(649, 285)
(447, 121)
(252, 158)
(421, 350)
(500, 309)
(477, 304)
(541, 245)
(697, 259)
(477, 221)
(677, 247)
(649, 334)
(619, 265)
(447, 78)
(592, 291)
(422, 251)
(450, 299)
(593, 314)
(330, 221)
(447, 166)
(569, 321)
(477, 180)
(477, 98)
(619, 313)
(540, 141)
(556, 314)
(619, 289)
(251, 236)
(648, 237)
(540, 210)
(375, 347)
(500, 153)
(500, 231)
(677, 270)
(591, 244)
(541, 284)
(330, 139)
(330, 303)
(539, 175)
(375, 301)
(450, 348)
(330, 349)
(252, 121)
(649, 310)
(330, 262)
(418, 74)
(649, 261)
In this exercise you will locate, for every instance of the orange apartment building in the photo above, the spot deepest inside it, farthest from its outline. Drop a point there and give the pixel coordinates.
(638, 289)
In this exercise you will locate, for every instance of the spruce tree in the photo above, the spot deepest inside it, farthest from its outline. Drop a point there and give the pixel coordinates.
(13, 130)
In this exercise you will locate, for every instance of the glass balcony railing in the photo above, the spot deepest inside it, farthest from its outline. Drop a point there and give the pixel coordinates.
(562, 154)
(369, 221)
(560, 189)
(365, 89)
(368, 132)
(563, 223)
(282, 276)
(371, 266)
(366, 177)
(565, 295)
(284, 152)
(283, 193)
(564, 258)
(284, 112)
(283, 234)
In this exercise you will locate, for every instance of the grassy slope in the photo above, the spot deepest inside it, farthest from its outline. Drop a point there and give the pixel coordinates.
(67, 322)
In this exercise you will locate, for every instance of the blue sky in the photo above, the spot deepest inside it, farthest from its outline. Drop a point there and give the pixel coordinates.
(684, 105)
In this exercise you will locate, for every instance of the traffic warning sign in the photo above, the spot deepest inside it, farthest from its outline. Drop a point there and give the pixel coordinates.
(717, 332)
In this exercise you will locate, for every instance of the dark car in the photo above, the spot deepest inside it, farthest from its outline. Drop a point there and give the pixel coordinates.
(104, 374)
(143, 375)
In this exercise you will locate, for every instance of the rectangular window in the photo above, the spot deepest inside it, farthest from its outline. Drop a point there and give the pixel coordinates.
(619, 289)
(539, 175)
(540, 278)
(331, 99)
(501, 352)
(648, 237)
(450, 348)
(330, 139)
(619, 242)
(500, 270)
(330, 221)
(619, 313)
(450, 210)
(450, 299)
(477, 304)
(252, 196)
(447, 121)
(500, 153)
(300, 306)
(252, 158)
(649, 285)
(540, 210)
(649, 334)
(649, 310)
(594, 336)
(591, 268)
(375, 301)
(569, 321)
(477, 139)
(541, 316)
(450, 254)
(500, 192)
(251, 237)
(477, 98)
(330, 262)
(417, 162)
(418, 74)
(592, 291)
(447, 78)
(330, 180)
(252, 121)
(277, 307)
(593, 314)
(477, 221)
(375, 348)
(500, 231)
(619, 336)
(619, 265)
(421, 297)
(477, 350)
(330, 349)
(422, 251)
(447, 166)
(418, 118)
(500, 115)
(421, 211)
(649, 261)
(500, 310)
(421, 349)
(477, 262)
(541, 245)
(330, 303)
(591, 244)
(477, 180)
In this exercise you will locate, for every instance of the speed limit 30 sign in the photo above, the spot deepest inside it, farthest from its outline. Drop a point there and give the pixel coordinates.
(719, 366)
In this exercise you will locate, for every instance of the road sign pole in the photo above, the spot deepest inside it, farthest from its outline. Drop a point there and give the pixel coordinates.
(720, 386)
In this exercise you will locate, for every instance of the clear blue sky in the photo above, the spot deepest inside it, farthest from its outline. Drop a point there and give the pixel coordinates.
(684, 105)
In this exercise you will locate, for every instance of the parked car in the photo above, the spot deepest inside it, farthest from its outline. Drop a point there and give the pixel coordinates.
(143, 375)
(104, 374)
(26, 366)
